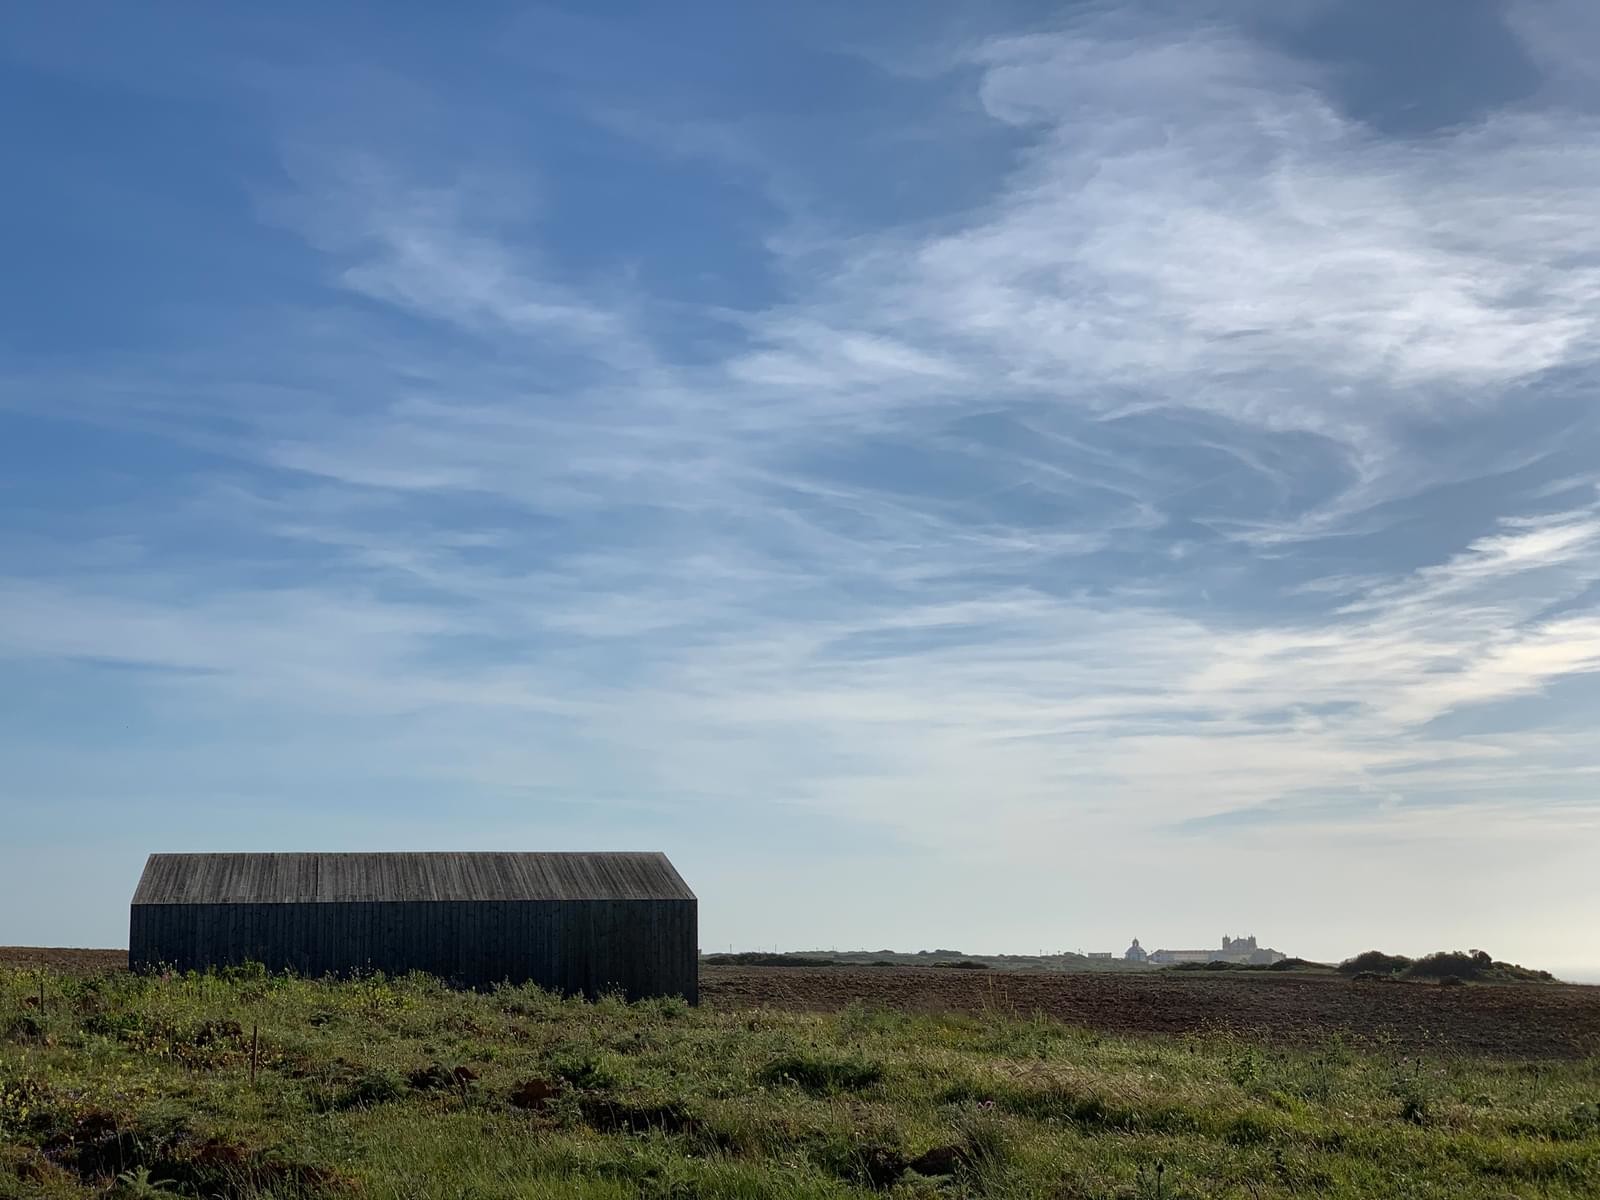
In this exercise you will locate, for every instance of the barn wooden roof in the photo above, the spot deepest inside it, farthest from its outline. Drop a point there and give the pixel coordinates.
(448, 875)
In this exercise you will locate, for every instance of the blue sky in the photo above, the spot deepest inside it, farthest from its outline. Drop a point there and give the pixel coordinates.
(1012, 477)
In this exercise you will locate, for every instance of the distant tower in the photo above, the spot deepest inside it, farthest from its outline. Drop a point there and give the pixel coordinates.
(1135, 952)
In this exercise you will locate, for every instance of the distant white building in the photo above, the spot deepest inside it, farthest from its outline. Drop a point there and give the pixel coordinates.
(1166, 958)
(1135, 952)
(1242, 950)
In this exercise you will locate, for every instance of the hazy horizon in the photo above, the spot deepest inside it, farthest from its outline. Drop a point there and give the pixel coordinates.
(1566, 974)
(1002, 477)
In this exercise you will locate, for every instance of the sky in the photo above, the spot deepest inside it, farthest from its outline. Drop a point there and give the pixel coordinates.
(1008, 477)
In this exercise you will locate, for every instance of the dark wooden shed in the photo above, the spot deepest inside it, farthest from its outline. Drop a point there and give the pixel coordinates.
(585, 923)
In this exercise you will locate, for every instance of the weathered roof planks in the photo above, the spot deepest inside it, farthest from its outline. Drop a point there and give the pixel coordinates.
(408, 876)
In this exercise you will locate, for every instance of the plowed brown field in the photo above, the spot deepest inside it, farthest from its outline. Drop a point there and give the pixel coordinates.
(77, 962)
(1510, 1020)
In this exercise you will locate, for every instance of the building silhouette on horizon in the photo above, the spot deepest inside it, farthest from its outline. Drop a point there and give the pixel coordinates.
(1242, 950)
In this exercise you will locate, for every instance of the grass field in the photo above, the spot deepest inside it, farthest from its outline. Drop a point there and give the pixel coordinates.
(375, 1088)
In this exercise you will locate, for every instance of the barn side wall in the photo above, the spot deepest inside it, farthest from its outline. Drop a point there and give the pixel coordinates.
(638, 947)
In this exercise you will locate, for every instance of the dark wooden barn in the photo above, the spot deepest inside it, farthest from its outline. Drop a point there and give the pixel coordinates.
(575, 923)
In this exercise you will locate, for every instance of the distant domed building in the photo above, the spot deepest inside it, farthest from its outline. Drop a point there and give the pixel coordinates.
(1135, 952)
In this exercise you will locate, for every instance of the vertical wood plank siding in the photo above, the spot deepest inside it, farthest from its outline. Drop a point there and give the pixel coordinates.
(590, 947)
(341, 922)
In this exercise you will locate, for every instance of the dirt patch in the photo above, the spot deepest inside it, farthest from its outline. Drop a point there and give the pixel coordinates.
(434, 1077)
(882, 1166)
(535, 1094)
(1504, 1020)
(941, 1160)
(24, 1030)
(31, 1166)
(225, 1170)
(97, 1146)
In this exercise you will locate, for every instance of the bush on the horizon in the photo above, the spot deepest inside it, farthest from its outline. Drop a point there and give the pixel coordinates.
(1475, 966)
(1375, 961)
